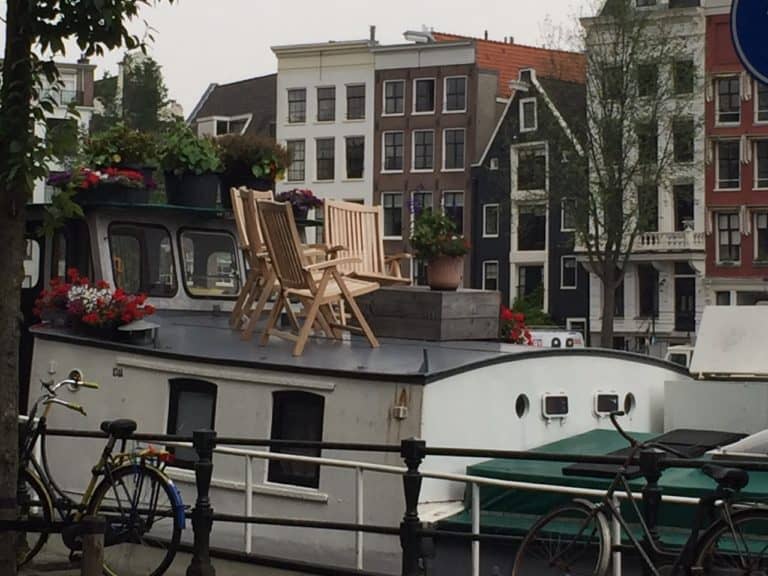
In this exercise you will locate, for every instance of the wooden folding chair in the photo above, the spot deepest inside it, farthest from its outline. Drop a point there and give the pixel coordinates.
(317, 286)
(355, 231)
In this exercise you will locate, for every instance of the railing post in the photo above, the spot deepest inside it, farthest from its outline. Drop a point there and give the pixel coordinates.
(651, 466)
(412, 451)
(204, 442)
(93, 528)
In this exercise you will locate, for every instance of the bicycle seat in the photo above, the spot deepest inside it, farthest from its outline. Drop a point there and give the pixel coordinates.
(121, 428)
(733, 478)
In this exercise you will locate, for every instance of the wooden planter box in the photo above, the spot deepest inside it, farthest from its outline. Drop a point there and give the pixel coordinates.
(422, 314)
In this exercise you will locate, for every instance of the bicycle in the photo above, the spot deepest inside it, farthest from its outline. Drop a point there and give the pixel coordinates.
(576, 538)
(130, 490)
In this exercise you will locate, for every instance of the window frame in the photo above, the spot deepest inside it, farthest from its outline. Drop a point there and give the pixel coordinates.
(332, 119)
(563, 285)
(563, 202)
(729, 77)
(446, 110)
(384, 209)
(463, 152)
(384, 169)
(317, 159)
(459, 228)
(498, 220)
(384, 97)
(240, 273)
(684, 125)
(718, 230)
(304, 160)
(758, 103)
(675, 77)
(641, 69)
(523, 102)
(346, 158)
(532, 206)
(288, 110)
(177, 386)
(718, 187)
(756, 164)
(170, 242)
(414, 169)
(536, 149)
(414, 111)
(756, 243)
(485, 275)
(364, 99)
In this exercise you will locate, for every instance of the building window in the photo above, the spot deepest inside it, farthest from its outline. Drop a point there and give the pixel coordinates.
(728, 237)
(761, 236)
(297, 105)
(491, 275)
(490, 221)
(647, 208)
(683, 76)
(456, 94)
(567, 214)
(648, 290)
(326, 104)
(142, 259)
(297, 160)
(761, 164)
(424, 100)
(296, 416)
(530, 284)
(761, 102)
(618, 304)
(568, 277)
(493, 164)
(209, 264)
(647, 80)
(393, 151)
(423, 149)
(532, 168)
(394, 96)
(528, 115)
(192, 406)
(355, 156)
(613, 83)
(728, 100)
(392, 204)
(645, 3)
(683, 197)
(723, 298)
(326, 158)
(419, 271)
(356, 102)
(648, 142)
(532, 227)
(682, 139)
(728, 164)
(420, 200)
(61, 135)
(232, 125)
(453, 149)
(453, 206)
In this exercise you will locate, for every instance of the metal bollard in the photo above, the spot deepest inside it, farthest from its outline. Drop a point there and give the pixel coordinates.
(202, 516)
(93, 528)
(651, 466)
(412, 451)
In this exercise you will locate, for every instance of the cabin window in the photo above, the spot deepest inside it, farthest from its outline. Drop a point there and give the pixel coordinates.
(209, 264)
(192, 407)
(142, 259)
(296, 416)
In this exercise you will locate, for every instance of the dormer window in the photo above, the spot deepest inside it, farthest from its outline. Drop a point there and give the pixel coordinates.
(528, 115)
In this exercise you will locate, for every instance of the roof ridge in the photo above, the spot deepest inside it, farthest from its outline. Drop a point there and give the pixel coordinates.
(247, 80)
(513, 44)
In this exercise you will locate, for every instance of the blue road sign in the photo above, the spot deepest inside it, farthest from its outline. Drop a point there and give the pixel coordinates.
(749, 24)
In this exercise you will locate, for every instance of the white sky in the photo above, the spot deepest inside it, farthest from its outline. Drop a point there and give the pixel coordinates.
(202, 41)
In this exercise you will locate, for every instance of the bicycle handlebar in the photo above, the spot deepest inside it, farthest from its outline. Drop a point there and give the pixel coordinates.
(71, 405)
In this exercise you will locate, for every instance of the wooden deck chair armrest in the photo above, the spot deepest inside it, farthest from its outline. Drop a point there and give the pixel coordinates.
(396, 257)
(332, 263)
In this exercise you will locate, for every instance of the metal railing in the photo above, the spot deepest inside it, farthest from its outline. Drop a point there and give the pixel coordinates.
(412, 532)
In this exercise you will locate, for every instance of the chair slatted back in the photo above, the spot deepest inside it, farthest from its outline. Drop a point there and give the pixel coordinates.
(358, 229)
(283, 244)
(248, 209)
(237, 210)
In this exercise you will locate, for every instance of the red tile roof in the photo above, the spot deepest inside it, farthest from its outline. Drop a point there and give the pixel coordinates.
(509, 59)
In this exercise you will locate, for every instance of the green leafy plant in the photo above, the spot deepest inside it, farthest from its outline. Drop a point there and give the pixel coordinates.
(248, 155)
(120, 146)
(434, 235)
(181, 151)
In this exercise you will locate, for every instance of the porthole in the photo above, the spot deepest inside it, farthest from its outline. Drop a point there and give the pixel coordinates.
(629, 403)
(522, 405)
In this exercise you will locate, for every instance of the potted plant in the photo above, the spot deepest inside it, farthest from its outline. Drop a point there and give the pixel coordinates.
(301, 201)
(252, 161)
(119, 185)
(514, 328)
(434, 239)
(190, 165)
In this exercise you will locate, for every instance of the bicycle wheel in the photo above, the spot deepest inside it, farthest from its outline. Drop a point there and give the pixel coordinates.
(34, 505)
(742, 549)
(144, 518)
(573, 539)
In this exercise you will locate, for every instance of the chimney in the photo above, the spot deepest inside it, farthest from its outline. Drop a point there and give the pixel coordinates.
(505, 39)
(372, 37)
(485, 36)
(511, 39)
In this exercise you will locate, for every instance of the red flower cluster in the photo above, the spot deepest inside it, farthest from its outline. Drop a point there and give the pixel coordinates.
(513, 328)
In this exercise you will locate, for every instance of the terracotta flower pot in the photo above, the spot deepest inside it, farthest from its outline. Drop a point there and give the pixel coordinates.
(445, 272)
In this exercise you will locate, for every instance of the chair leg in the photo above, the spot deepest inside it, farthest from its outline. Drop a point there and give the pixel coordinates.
(298, 349)
(242, 303)
(327, 312)
(273, 317)
(356, 311)
(253, 317)
(325, 326)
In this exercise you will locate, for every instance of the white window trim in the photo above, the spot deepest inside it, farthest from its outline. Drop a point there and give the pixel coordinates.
(317, 164)
(434, 97)
(335, 104)
(384, 152)
(716, 227)
(453, 191)
(347, 177)
(755, 214)
(562, 215)
(383, 209)
(413, 152)
(411, 219)
(756, 101)
(443, 168)
(575, 276)
(248, 118)
(384, 98)
(445, 94)
(516, 223)
(717, 166)
(498, 220)
(498, 272)
(717, 101)
(346, 101)
(523, 102)
(287, 179)
(570, 321)
(288, 106)
(756, 164)
(515, 163)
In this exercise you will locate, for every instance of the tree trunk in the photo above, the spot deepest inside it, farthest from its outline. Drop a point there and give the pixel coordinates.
(609, 307)
(16, 131)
